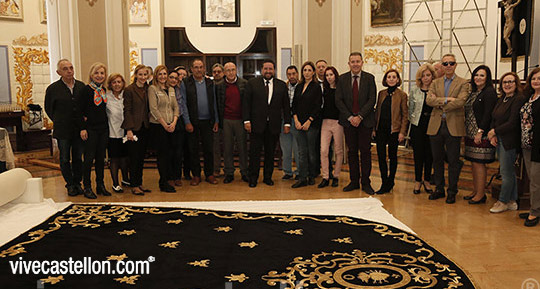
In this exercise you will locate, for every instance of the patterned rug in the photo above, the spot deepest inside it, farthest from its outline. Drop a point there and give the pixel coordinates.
(115, 246)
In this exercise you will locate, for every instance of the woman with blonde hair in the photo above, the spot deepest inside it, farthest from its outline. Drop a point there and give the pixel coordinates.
(94, 129)
(115, 113)
(164, 114)
(419, 114)
(136, 124)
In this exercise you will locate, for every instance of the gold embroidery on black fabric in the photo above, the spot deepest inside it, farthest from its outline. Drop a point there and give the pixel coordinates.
(52, 280)
(117, 257)
(361, 270)
(128, 280)
(174, 221)
(240, 278)
(223, 229)
(172, 245)
(127, 232)
(94, 216)
(201, 263)
(251, 244)
(295, 232)
(346, 240)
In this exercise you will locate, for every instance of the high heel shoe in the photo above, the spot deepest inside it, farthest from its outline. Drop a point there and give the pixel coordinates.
(415, 191)
(429, 191)
(481, 201)
(469, 197)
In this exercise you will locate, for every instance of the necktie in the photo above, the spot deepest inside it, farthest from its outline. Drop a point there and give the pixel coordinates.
(267, 89)
(355, 94)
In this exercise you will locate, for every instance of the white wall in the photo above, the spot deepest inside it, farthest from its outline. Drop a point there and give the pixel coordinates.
(150, 36)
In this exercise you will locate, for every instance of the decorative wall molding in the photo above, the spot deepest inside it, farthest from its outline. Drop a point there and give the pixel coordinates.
(320, 2)
(133, 60)
(381, 40)
(36, 40)
(132, 44)
(23, 59)
(91, 2)
(387, 59)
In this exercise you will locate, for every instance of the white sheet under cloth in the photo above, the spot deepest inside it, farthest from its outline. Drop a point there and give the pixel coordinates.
(19, 218)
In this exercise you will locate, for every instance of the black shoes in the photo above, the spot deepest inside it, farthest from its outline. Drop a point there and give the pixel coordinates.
(429, 191)
(531, 223)
(451, 198)
(351, 187)
(368, 189)
(386, 187)
(167, 188)
(252, 184)
(324, 183)
(269, 182)
(469, 197)
(335, 182)
(523, 215)
(245, 178)
(287, 177)
(436, 195)
(311, 181)
(72, 192)
(88, 193)
(228, 179)
(481, 201)
(100, 190)
(299, 184)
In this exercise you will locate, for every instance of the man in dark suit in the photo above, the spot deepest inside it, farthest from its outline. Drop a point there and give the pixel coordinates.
(202, 122)
(265, 103)
(355, 99)
(61, 98)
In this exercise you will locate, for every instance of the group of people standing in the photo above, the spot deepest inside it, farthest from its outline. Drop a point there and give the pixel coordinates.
(310, 115)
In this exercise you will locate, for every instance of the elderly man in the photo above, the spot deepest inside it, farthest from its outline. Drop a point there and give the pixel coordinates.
(61, 105)
(230, 120)
(217, 74)
(202, 121)
(447, 96)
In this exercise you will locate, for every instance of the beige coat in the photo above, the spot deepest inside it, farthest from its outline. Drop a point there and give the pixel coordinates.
(162, 105)
(454, 110)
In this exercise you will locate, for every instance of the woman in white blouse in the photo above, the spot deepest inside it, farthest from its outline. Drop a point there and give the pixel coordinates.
(164, 114)
(115, 114)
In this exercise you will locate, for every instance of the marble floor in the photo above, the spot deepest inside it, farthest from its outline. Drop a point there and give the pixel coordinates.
(496, 250)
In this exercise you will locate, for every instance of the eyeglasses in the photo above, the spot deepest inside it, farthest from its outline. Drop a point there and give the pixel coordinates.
(508, 82)
(451, 63)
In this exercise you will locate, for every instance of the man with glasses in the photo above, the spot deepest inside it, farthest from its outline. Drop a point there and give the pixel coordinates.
(447, 96)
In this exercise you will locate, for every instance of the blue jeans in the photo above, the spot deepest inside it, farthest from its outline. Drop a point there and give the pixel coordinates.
(71, 151)
(289, 146)
(507, 158)
(308, 164)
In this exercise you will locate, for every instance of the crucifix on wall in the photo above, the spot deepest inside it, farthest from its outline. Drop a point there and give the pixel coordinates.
(515, 30)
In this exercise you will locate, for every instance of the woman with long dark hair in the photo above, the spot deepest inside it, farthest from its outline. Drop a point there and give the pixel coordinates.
(330, 129)
(306, 109)
(478, 149)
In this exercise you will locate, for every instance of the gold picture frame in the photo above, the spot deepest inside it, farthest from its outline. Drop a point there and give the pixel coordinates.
(11, 10)
(386, 13)
(139, 12)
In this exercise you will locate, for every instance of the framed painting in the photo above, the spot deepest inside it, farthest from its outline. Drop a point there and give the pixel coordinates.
(516, 25)
(42, 11)
(220, 13)
(386, 13)
(11, 10)
(139, 12)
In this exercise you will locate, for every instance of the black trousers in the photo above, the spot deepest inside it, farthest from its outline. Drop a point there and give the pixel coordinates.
(163, 143)
(359, 138)
(202, 134)
(442, 143)
(383, 141)
(423, 158)
(177, 152)
(71, 152)
(257, 141)
(137, 150)
(94, 151)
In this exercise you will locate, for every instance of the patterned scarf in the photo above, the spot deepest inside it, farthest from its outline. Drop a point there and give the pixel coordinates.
(99, 93)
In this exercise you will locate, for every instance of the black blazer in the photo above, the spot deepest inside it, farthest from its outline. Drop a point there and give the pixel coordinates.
(505, 121)
(535, 151)
(220, 96)
(483, 107)
(255, 107)
(93, 117)
(62, 108)
(307, 104)
(367, 98)
(191, 99)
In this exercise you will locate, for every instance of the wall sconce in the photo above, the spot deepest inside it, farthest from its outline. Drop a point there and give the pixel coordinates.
(320, 2)
(357, 2)
(91, 2)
